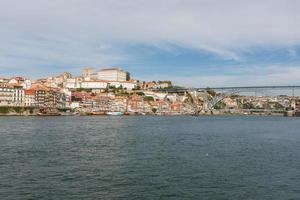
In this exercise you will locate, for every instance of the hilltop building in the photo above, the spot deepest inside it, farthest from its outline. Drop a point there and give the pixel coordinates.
(113, 74)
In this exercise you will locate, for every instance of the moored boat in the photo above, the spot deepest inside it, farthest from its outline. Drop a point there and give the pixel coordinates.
(114, 113)
(48, 112)
(98, 113)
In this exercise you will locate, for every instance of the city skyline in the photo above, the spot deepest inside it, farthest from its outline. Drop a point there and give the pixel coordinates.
(192, 43)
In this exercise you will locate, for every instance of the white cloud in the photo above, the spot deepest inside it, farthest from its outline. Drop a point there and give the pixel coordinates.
(268, 76)
(240, 76)
(217, 26)
(92, 32)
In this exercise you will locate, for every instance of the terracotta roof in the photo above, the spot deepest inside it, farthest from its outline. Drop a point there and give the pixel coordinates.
(30, 92)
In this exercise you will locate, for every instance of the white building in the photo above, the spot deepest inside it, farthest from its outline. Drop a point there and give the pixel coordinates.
(26, 84)
(94, 84)
(6, 95)
(112, 74)
(129, 85)
(11, 96)
(19, 96)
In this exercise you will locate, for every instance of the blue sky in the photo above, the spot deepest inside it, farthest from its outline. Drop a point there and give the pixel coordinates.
(192, 42)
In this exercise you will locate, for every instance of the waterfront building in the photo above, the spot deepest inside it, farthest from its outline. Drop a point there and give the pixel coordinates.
(30, 98)
(19, 96)
(104, 101)
(6, 95)
(46, 97)
(12, 95)
(136, 104)
(112, 74)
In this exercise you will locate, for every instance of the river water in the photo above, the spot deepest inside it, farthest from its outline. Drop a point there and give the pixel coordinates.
(148, 157)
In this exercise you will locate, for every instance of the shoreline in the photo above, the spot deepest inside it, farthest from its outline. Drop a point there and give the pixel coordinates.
(161, 115)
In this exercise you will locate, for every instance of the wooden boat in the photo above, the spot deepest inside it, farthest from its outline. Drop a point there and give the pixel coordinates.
(48, 112)
(115, 113)
(98, 113)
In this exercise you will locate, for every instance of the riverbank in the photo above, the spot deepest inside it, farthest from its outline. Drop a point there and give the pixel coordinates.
(32, 111)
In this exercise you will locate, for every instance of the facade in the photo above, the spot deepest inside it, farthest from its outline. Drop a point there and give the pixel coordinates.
(29, 98)
(6, 95)
(112, 74)
(129, 85)
(94, 84)
(87, 72)
(19, 96)
(40, 97)
(11, 95)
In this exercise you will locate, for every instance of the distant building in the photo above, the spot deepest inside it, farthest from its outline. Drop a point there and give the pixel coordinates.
(87, 72)
(112, 74)
(94, 85)
(164, 84)
(129, 85)
(4, 80)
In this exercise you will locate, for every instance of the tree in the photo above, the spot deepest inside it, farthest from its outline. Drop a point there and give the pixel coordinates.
(148, 98)
(211, 92)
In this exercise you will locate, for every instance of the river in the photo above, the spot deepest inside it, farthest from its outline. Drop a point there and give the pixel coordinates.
(150, 157)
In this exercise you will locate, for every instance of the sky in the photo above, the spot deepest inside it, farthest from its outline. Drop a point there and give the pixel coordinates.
(194, 43)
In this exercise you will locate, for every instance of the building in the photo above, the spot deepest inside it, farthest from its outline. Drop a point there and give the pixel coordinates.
(129, 85)
(4, 80)
(94, 84)
(112, 74)
(164, 84)
(6, 95)
(19, 96)
(30, 98)
(87, 72)
(46, 97)
(12, 95)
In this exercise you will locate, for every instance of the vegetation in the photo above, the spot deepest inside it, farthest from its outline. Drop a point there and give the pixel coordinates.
(248, 106)
(4, 110)
(140, 93)
(278, 106)
(83, 90)
(189, 98)
(148, 98)
(211, 92)
(220, 105)
(136, 88)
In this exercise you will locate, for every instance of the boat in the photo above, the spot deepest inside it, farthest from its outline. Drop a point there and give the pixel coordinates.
(98, 113)
(48, 112)
(114, 113)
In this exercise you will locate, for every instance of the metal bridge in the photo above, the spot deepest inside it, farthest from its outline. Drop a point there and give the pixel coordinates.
(238, 88)
(223, 92)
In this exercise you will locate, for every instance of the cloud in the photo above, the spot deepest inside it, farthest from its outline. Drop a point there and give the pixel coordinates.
(212, 24)
(99, 32)
(240, 76)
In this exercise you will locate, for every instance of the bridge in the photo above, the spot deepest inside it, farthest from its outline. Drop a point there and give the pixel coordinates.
(238, 88)
(223, 92)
